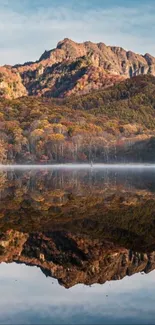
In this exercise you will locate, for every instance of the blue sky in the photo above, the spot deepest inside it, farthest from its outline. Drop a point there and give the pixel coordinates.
(29, 27)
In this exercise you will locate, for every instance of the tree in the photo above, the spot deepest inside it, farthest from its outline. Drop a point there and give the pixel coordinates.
(3, 152)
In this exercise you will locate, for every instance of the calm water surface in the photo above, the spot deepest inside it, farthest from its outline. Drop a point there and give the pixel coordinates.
(77, 246)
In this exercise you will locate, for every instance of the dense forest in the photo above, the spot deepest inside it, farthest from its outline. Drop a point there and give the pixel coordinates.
(111, 125)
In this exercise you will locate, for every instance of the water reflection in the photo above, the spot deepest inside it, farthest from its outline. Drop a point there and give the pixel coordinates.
(79, 226)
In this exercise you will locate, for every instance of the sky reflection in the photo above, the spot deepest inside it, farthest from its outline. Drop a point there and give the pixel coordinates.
(29, 297)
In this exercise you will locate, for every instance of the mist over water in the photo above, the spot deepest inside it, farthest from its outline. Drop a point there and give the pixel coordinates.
(81, 166)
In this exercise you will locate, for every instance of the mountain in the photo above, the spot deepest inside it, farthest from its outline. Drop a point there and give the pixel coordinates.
(73, 68)
(73, 259)
(84, 227)
(111, 125)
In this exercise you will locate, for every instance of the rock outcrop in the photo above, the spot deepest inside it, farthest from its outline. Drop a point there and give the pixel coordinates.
(11, 84)
(73, 259)
(73, 68)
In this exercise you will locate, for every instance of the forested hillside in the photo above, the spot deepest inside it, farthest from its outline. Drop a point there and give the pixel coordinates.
(111, 125)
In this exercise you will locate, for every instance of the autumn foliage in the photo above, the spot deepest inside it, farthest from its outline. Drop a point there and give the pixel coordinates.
(114, 125)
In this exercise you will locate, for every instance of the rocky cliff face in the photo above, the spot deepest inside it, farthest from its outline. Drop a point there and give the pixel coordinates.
(73, 68)
(114, 60)
(73, 259)
(11, 84)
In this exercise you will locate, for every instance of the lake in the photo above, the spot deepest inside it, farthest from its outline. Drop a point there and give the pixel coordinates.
(77, 244)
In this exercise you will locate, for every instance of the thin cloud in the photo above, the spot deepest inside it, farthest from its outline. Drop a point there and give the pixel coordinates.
(25, 35)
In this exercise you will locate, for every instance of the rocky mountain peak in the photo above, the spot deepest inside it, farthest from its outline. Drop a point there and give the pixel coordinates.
(64, 42)
(149, 58)
(74, 68)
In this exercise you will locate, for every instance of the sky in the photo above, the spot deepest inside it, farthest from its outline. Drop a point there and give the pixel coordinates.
(29, 27)
(28, 297)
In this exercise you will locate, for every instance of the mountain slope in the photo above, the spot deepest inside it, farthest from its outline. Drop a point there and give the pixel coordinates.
(112, 125)
(74, 68)
(11, 84)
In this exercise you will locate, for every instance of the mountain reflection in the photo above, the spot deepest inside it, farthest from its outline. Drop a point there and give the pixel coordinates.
(82, 226)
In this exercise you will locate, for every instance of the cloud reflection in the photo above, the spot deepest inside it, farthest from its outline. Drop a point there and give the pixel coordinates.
(29, 297)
